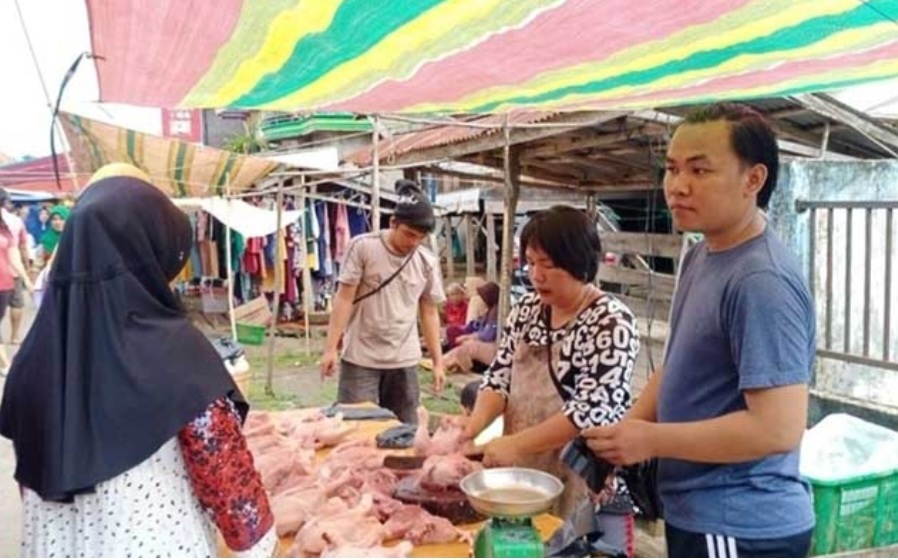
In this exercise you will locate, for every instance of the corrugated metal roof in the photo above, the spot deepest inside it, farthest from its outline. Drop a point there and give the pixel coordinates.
(446, 135)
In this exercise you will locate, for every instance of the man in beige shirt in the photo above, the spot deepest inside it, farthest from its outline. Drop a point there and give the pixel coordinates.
(388, 279)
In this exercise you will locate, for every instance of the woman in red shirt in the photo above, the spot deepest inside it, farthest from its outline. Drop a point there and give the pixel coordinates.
(11, 265)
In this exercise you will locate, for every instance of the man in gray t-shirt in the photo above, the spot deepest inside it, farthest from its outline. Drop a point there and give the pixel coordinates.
(387, 280)
(726, 412)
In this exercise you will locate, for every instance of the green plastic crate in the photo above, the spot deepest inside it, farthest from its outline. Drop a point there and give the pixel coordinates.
(253, 335)
(855, 513)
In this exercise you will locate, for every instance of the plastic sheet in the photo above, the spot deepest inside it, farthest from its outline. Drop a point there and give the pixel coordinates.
(843, 446)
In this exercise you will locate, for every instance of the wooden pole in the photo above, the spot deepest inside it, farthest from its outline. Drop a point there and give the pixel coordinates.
(278, 285)
(450, 259)
(511, 193)
(491, 248)
(470, 234)
(375, 179)
(228, 255)
(306, 273)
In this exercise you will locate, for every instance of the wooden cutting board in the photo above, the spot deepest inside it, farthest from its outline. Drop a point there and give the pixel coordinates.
(450, 503)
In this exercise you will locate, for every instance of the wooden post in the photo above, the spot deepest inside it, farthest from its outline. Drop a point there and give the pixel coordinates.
(470, 232)
(447, 235)
(512, 191)
(375, 178)
(306, 273)
(228, 255)
(491, 248)
(278, 285)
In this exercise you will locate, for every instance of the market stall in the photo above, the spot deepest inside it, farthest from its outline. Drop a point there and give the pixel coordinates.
(345, 434)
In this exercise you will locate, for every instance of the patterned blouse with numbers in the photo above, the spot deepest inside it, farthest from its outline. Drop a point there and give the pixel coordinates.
(596, 355)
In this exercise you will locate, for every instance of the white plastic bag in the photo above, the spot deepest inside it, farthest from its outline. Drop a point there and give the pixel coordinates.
(843, 446)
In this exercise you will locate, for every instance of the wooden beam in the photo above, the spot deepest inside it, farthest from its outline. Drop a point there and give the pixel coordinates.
(655, 309)
(829, 107)
(648, 244)
(494, 139)
(491, 248)
(450, 261)
(511, 192)
(570, 144)
(662, 285)
(489, 178)
(470, 232)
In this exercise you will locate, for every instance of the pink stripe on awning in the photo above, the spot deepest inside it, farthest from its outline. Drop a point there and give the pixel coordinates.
(125, 32)
(787, 71)
(557, 38)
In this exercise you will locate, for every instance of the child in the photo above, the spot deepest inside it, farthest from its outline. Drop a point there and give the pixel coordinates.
(467, 398)
(456, 306)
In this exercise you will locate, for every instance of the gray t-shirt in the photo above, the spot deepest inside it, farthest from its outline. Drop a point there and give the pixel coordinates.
(742, 319)
(383, 329)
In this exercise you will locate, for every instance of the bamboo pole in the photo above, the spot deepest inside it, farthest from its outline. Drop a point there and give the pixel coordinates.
(306, 273)
(229, 256)
(278, 285)
(375, 179)
(491, 248)
(511, 193)
(470, 232)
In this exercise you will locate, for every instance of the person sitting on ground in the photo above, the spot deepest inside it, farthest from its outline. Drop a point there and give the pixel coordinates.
(455, 309)
(476, 345)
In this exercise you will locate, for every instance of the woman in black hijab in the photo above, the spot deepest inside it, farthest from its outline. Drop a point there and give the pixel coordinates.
(125, 423)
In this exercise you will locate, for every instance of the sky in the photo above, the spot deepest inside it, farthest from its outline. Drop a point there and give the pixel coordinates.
(59, 32)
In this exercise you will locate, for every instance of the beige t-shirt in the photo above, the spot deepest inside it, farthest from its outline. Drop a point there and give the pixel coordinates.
(383, 329)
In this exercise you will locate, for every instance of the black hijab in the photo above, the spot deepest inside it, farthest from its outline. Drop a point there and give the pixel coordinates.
(112, 368)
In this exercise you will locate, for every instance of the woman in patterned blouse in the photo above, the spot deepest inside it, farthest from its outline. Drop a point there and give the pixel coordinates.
(566, 356)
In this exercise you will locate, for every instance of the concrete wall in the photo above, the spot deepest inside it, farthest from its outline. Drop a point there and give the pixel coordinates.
(844, 181)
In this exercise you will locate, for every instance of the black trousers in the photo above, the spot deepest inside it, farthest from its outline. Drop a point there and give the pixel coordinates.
(686, 544)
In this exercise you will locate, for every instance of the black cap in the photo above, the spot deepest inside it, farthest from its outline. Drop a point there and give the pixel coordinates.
(413, 209)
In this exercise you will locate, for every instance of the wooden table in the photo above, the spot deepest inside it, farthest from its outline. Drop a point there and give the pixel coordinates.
(546, 524)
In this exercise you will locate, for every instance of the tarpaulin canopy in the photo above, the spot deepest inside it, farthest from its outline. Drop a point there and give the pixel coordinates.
(484, 56)
(244, 218)
(178, 168)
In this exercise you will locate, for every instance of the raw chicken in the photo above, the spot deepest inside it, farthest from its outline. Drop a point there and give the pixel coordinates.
(401, 550)
(420, 527)
(445, 441)
(441, 472)
(352, 527)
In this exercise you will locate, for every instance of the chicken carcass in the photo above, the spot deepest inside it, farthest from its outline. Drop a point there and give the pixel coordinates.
(441, 472)
(415, 524)
(446, 440)
(401, 550)
(356, 526)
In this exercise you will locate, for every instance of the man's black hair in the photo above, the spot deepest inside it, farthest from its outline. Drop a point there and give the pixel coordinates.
(751, 137)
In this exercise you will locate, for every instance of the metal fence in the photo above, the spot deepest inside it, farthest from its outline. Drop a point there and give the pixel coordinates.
(852, 278)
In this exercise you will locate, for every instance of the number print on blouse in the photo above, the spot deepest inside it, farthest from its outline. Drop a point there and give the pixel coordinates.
(595, 358)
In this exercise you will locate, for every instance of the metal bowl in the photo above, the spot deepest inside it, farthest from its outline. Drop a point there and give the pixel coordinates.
(511, 491)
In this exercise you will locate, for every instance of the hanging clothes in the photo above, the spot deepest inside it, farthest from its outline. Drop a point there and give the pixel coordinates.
(312, 233)
(358, 222)
(325, 264)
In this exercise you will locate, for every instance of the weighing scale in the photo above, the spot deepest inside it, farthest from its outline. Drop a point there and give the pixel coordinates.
(510, 497)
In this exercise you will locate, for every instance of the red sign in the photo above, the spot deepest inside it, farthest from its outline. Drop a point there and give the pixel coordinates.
(183, 124)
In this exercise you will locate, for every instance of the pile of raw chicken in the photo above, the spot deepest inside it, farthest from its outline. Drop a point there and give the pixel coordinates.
(343, 506)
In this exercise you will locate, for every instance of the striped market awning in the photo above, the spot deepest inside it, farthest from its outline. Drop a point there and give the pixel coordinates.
(484, 56)
(176, 167)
